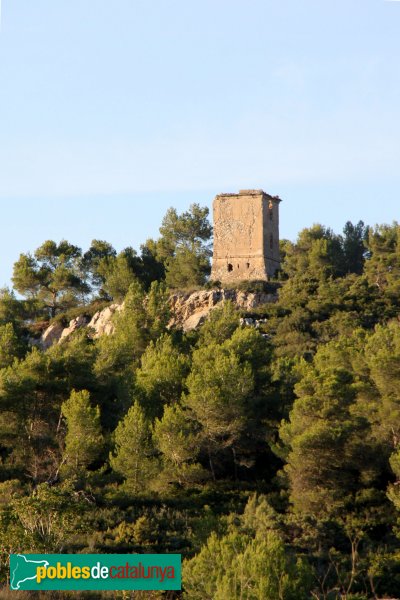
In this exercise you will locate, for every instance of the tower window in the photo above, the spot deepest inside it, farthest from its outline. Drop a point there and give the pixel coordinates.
(271, 215)
(230, 267)
(248, 265)
(271, 241)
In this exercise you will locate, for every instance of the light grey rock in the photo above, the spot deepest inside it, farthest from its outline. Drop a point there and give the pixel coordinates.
(189, 310)
(51, 335)
(195, 320)
(102, 321)
(74, 324)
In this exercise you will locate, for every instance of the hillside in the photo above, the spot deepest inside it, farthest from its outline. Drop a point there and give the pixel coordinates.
(188, 310)
(257, 428)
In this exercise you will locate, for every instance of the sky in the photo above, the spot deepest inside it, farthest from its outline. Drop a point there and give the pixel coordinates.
(111, 112)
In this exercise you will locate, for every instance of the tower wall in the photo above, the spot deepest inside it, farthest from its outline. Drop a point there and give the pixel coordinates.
(246, 236)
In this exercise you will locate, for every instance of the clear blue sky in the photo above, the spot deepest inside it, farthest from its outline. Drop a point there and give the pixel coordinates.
(112, 111)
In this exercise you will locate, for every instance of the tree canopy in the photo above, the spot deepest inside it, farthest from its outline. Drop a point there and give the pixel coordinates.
(264, 446)
(51, 276)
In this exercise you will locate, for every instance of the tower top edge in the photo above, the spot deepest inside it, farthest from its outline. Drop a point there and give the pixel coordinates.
(249, 193)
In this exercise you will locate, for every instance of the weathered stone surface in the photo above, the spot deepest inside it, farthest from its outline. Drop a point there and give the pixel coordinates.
(250, 322)
(57, 333)
(51, 336)
(101, 324)
(102, 321)
(195, 320)
(190, 310)
(246, 236)
(74, 324)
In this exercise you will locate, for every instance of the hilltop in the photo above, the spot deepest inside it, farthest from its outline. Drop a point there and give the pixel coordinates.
(257, 425)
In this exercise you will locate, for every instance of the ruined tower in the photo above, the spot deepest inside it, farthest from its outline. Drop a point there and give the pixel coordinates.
(246, 236)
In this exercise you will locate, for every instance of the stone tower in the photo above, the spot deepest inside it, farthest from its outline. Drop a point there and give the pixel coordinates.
(246, 236)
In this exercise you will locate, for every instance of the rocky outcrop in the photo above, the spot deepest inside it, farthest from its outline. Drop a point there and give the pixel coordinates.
(75, 324)
(57, 333)
(188, 310)
(100, 324)
(250, 322)
(51, 335)
(102, 321)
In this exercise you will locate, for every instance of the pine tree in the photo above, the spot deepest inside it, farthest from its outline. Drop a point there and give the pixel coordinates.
(252, 563)
(84, 441)
(331, 454)
(176, 438)
(184, 246)
(117, 274)
(382, 356)
(52, 276)
(383, 265)
(218, 387)
(10, 346)
(162, 374)
(133, 456)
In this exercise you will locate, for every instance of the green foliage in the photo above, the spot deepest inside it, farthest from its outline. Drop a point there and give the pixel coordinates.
(354, 246)
(318, 254)
(153, 269)
(184, 247)
(143, 318)
(218, 387)
(28, 412)
(117, 273)
(51, 276)
(157, 309)
(161, 376)
(11, 309)
(328, 442)
(382, 356)
(31, 393)
(88, 311)
(383, 267)
(133, 457)
(84, 440)
(10, 346)
(220, 325)
(302, 407)
(44, 520)
(328, 289)
(189, 230)
(257, 286)
(186, 269)
(252, 564)
(176, 437)
(100, 252)
(394, 491)
(110, 275)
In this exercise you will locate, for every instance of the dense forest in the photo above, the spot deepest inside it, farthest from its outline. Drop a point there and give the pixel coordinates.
(268, 457)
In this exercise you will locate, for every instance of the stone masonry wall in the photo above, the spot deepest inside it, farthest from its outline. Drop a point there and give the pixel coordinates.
(246, 236)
